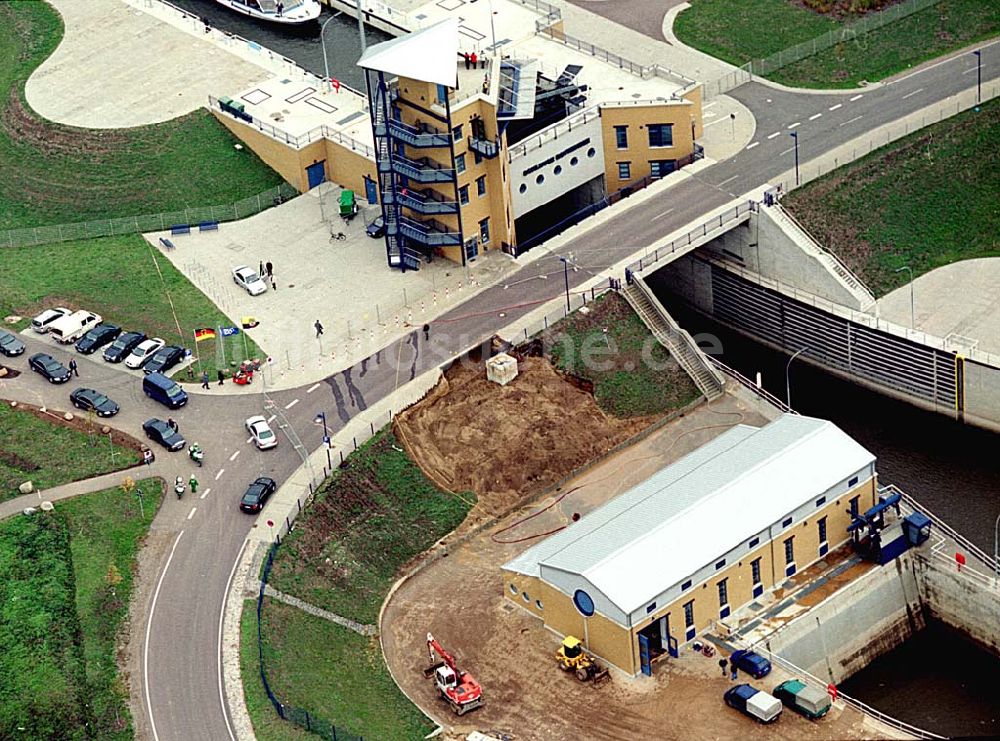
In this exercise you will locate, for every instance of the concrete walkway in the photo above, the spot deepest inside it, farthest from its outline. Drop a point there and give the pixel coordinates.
(364, 629)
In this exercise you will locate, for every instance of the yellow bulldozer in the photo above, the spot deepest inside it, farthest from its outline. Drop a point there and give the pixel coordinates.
(572, 657)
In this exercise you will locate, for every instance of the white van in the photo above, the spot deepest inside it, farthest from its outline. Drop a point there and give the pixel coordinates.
(71, 328)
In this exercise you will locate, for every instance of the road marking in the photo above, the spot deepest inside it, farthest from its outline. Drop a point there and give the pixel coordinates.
(932, 66)
(782, 154)
(844, 123)
(705, 108)
(145, 649)
(269, 420)
(776, 133)
(971, 69)
(205, 493)
(908, 95)
(709, 115)
(233, 456)
(221, 471)
(249, 439)
(218, 653)
(718, 121)
(313, 388)
(292, 403)
(660, 216)
(856, 97)
(835, 107)
(191, 513)
(728, 180)
(813, 118)
(751, 146)
(792, 126)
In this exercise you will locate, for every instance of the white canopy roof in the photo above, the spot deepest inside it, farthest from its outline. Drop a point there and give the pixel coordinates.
(430, 55)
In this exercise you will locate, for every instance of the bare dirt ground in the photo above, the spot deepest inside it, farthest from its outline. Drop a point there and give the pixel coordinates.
(460, 600)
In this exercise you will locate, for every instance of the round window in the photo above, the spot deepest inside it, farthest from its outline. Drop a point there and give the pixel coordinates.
(574, 161)
(513, 589)
(557, 170)
(523, 188)
(525, 597)
(591, 152)
(583, 603)
(538, 604)
(540, 179)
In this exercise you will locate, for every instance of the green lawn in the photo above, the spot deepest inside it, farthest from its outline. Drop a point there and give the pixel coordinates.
(730, 30)
(328, 670)
(118, 278)
(925, 201)
(633, 375)
(53, 174)
(65, 583)
(27, 445)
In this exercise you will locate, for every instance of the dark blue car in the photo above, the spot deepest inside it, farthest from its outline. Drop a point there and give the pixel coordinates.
(750, 663)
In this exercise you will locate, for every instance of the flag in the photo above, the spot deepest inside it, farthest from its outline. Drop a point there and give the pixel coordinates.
(204, 334)
(229, 331)
(249, 322)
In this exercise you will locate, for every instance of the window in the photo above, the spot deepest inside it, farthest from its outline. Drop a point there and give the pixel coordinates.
(621, 137)
(591, 152)
(540, 179)
(463, 194)
(821, 526)
(481, 186)
(720, 564)
(522, 188)
(661, 135)
(624, 170)
(442, 94)
(456, 133)
(852, 482)
(755, 570)
(723, 592)
(786, 522)
(689, 614)
(583, 603)
(661, 168)
(821, 501)
(790, 550)
(686, 585)
(538, 604)
(650, 607)
(459, 163)
(557, 170)
(513, 589)
(574, 161)
(854, 505)
(754, 542)
(484, 230)
(525, 597)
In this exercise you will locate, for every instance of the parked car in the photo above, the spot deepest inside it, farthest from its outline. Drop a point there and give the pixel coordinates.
(68, 329)
(262, 434)
(164, 359)
(90, 399)
(257, 493)
(43, 321)
(247, 279)
(158, 430)
(164, 390)
(753, 702)
(10, 345)
(750, 663)
(97, 338)
(804, 699)
(122, 346)
(50, 368)
(376, 229)
(143, 352)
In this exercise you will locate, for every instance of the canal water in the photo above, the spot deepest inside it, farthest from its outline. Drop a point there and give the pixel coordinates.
(298, 43)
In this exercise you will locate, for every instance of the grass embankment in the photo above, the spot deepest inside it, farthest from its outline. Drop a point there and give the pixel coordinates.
(633, 375)
(54, 174)
(731, 30)
(925, 201)
(65, 583)
(49, 454)
(117, 278)
(368, 520)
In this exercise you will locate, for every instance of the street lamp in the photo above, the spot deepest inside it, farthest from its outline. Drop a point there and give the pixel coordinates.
(565, 263)
(795, 136)
(996, 549)
(361, 28)
(788, 386)
(908, 269)
(322, 42)
(321, 417)
(979, 75)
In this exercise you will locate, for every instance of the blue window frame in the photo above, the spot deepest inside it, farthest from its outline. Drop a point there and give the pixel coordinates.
(720, 564)
(583, 603)
(624, 170)
(853, 482)
(786, 522)
(621, 137)
(459, 163)
(660, 135)
(650, 607)
(821, 501)
(661, 168)
(821, 527)
(723, 592)
(442, 94)
(686, 585)
(758, 588)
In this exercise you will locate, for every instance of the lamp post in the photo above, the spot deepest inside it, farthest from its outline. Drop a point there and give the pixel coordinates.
(979, 75)
(788, 385)
(795, 137)
(322, 43)
(996, 548)
(565, 263)
(321, 417)
(361, 28)
(908, 269)
(493, 32)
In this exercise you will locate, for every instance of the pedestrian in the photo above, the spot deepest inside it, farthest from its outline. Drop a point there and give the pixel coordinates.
(260, 268)
(281, 9)
(482, 62)
(204, 379)
(172, 424)
(274, 284)
(319, 329)
(466, 55)
(735, 672)
(427, 332)
(72, 367)
(722, 665)
(193, 483)
(474, 59)
(270, 269)
(221, 375)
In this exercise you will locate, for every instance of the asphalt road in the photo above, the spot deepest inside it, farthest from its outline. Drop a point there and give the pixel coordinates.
(180, 677)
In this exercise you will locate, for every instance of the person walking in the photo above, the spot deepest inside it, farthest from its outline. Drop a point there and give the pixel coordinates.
(427, 332)
(270, 269)
(221, 376)
(260, 268)
(735, 672)
(319, 329)
(723, 663)
(193, 483)
(73, 368)
(474, 59)
(466, 55)
(482, 62)
(204, 379)
(172, 424)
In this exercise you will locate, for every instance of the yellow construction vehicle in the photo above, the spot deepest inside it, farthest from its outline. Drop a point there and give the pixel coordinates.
(573, 658)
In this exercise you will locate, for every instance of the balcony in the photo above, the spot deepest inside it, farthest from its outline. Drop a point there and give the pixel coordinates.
(424, 136)
(484, 147)
(423, 202)
(422, 170)
(429, 233)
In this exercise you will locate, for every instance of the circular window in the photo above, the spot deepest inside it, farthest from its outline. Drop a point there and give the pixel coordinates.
(583, 603)
(557, 170)
(525, 597)
(523, 188)
(538, 604)
(513, 589)
(540, 179)
(591, 152)
(574, 161)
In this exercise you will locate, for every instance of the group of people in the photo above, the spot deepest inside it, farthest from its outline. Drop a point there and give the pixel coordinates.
(473, 60)
(266, 272)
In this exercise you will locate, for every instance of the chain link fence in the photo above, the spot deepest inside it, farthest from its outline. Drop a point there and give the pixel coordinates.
(32, 236)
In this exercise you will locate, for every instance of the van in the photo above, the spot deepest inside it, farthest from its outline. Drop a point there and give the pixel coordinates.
(753, 702)
(811, 702)
(162, 389)
(70, 328)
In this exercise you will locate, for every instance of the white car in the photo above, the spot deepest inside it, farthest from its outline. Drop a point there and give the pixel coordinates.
(43, 321)
(143, 352)
(247, 279)
(260, 431)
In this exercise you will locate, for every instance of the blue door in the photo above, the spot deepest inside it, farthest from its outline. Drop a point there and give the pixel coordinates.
(371, 192)
(672, 646)
(316, 174)
(644, 656)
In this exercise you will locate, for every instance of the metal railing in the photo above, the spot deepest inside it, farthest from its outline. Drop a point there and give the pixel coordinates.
(756, 390)
(52, 234)
(553, 132)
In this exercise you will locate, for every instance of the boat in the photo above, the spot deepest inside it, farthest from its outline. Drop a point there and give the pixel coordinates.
(287, 12)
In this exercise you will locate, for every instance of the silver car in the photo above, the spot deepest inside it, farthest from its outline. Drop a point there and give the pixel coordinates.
(247, 279)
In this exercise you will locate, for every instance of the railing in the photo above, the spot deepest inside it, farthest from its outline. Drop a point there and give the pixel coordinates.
(425, 203)
(485, 147)
(758, 391)
(146, 222)
(417, 137)
(553, 132)
(430, 233)
(422, 170)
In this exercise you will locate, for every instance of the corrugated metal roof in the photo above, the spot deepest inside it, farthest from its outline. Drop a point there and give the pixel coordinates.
(430, 55)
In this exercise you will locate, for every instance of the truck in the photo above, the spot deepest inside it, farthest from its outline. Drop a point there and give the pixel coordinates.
(70, 328)
(811, 702)
(753, 702)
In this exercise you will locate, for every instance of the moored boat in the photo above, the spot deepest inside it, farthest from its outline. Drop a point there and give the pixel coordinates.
(288, 12)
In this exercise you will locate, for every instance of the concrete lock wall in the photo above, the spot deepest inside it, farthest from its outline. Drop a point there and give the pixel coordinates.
(982, 395)
(857, 624)
(960, 602)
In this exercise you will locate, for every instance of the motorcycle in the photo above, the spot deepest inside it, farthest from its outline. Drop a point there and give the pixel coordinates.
(179, 487)
(196, 454)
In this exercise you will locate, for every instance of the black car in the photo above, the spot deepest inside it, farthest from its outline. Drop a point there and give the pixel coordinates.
(87, 399)
(123, 346)
(257, 493)
(164, 359)
(10, 345)
(97, 338)
(158, 430)
(376, 229)
(52, 369)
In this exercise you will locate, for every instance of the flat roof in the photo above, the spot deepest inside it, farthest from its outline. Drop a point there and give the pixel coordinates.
(430, 55)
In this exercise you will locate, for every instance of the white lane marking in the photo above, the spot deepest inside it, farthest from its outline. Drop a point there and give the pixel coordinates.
(937, 64)
(813, 118)
(856, 118)
(835, 107)
(751, 146)
(221, 471)
(792, 126)
(728, 180)
(191, 513)
(218, 653)
(971, 69)
(205, 493)
(709, 115)
(269, 420)
(908, 95)
(717, 121)
(706, 107)
(145, 649)
(233, 456)
(313, 388)
(292, 403)
(776, 133)
(250, 439)
(661, 215)
(790, 149)
(856, 97)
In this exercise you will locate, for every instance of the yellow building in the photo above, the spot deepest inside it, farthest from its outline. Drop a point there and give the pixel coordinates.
(656, 566)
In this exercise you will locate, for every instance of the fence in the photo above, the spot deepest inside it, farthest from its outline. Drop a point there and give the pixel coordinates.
(759, 391)
(146, 223)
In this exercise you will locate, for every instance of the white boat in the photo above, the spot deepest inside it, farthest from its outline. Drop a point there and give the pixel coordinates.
(289, 12)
